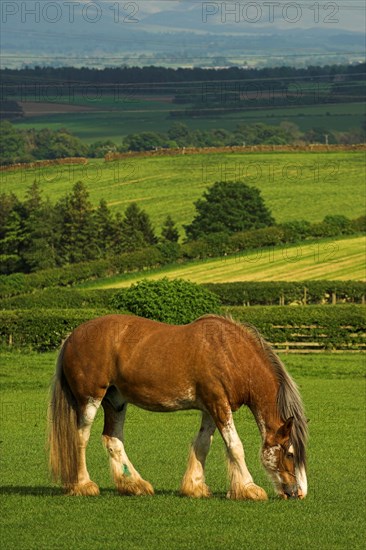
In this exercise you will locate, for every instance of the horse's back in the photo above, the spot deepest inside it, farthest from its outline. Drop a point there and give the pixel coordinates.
(153, 364)
(128, 352)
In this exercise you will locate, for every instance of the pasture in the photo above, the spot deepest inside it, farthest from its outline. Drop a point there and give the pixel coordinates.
(35, 515)
(294, 185)
(114, 116)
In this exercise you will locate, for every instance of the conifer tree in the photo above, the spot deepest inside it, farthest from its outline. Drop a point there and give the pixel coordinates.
(117, 235)
(137, 231)
(38, 250)
(11, 234)
(169, 230)
(104, 228)
(77, 230)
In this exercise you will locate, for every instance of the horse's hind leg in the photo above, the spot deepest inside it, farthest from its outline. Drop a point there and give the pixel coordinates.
(84, 485)
(193, 484)
(128, 481)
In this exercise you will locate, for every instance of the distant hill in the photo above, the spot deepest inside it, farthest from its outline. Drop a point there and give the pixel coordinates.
(174, 33)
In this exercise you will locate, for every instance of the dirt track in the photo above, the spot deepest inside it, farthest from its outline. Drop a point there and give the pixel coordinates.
(34, 108)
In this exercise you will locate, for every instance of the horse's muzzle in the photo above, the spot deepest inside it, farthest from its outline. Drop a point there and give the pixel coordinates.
(290, 491)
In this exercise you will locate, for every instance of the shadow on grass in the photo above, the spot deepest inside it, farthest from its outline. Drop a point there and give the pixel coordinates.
(106, 491)
(30, 491)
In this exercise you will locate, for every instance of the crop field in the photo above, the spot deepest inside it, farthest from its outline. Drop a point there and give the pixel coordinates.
(294, 185)
(113, 117)
(338, 259)
(35, 514)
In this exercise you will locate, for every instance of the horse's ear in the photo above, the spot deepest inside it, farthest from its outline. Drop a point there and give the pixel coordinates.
(284, 431)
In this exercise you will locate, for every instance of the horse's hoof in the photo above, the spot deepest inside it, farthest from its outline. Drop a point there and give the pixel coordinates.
(251, 491)
(89, 489)
(136, 487)
(198, 490)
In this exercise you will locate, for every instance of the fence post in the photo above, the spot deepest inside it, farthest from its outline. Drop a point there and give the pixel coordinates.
(305, 295)
(334, 298)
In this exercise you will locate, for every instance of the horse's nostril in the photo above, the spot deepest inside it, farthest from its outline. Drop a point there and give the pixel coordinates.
(291, 493)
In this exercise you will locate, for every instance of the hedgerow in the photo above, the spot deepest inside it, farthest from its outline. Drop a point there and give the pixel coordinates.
(231, 294)
(342, 326)
(41, 330)
(63, 298)
(339, 327)
(285, 293)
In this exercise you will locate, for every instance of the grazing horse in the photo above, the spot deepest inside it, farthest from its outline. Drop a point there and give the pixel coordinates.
(214, 365)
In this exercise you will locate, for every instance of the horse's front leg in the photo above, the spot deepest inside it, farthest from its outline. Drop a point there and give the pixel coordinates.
(193, 484)
(128, 481)
(242, 486)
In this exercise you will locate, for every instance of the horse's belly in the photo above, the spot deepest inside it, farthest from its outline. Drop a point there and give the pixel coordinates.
(154, 399)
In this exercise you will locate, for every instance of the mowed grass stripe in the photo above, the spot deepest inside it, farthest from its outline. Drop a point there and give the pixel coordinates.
(294, 186)
(339, 259)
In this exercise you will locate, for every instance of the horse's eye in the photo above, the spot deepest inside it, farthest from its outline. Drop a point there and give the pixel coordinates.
(290, 455)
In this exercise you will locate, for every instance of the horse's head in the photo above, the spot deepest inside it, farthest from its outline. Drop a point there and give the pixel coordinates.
(278, 457)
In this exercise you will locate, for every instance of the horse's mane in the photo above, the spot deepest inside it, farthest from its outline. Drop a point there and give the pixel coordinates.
(289, 402)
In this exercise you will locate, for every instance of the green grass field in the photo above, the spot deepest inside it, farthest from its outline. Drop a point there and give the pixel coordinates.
(294, 186)
(113, 118)
(35, 515)
(338, 259)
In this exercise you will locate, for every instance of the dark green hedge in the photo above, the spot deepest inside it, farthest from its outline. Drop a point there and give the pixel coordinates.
(20, 283)
(44, 329)
(64, 298)
(231, 294)
(284, 293)
(342, 327)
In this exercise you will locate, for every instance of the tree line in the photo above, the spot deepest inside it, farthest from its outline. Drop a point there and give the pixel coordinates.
(18, 145)
(35, 234)
(153, 76)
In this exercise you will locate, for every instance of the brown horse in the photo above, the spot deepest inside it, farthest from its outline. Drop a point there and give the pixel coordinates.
(213, 364)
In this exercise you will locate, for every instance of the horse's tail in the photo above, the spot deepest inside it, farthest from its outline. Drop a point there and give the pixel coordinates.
(63, 435)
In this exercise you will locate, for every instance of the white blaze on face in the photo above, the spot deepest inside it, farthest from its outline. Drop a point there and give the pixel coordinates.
(302, 481)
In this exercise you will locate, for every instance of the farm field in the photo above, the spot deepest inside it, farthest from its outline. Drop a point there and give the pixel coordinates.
(115, 117)
(35, 515)
(298, 185)
(342, 259)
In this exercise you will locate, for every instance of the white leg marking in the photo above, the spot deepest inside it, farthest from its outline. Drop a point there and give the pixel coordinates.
(302, 481)
(239, 472)
(84, 433)
(119, 461)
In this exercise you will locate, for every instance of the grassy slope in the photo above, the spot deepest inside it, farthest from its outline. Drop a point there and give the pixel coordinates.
(341, 259)
(294, 185)
(36, 516)
(115, 118)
